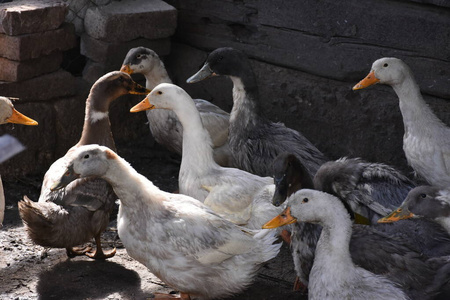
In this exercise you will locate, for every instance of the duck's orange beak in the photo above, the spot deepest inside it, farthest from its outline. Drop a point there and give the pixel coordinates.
(285, 218)
(126, 69)
(143, 105)
(397, 215)
(368, 81)
(19, 118)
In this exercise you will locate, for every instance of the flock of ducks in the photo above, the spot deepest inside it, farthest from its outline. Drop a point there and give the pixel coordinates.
(356, 229)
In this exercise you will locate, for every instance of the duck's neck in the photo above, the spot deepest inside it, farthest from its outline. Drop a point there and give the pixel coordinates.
(156, 76)
(416, 113)
(197, 153)
(332, 250)
(246, 109)
(131, 187)
(97, 127)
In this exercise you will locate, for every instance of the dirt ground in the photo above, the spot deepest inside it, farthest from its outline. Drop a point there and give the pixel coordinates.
(29, 272)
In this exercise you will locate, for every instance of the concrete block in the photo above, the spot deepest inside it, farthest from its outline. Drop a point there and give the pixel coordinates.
(93, 71)
(31, 16)
(131, 19)
(13, 70)
(34, 45)
(49, 86)
(113, 54)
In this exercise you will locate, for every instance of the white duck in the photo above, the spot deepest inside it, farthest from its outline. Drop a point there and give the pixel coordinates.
(236, 195)
(164, 125)
(334, 275)
(73, 216)
(176, 237)
(426, 141)
(8, 114)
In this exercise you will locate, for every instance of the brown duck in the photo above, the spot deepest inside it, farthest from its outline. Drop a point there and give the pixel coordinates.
(74, 215)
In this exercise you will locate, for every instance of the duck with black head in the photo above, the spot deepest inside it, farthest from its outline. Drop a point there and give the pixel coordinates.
(254, 140)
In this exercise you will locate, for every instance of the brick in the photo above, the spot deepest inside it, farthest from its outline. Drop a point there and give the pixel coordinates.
(53, 85)
(34, 45)
(13, 70)
(31, 16)
(113, 54)
(131, 19)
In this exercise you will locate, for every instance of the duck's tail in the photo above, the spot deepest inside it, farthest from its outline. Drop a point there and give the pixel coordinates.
(46, 223)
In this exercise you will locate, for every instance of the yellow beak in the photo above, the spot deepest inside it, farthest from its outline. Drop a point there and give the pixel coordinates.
(397, 215)
(19, 118)
(126, 69)
(285, 218)
(368, 81)
(141, 106)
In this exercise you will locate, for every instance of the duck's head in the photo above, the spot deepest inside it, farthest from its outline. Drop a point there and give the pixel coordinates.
(289, 176)
(111, 86)
(8, 114)
(163, 96)
(140, 60)
(422, 201)
(387, 70)
(85, 161)
(222, 61)
(306, 205)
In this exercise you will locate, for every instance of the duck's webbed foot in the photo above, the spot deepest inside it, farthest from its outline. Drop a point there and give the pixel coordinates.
(99, 253)
(77, 251)
(300, 286)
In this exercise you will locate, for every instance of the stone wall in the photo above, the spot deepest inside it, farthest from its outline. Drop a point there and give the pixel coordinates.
(39, 37)
(308, 54)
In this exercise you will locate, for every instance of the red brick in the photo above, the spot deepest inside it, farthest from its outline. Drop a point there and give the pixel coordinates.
(13, 70)
(49, 86)
(31, 16)
(34, 45)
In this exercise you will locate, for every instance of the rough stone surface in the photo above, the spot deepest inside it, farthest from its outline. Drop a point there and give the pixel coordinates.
(12, 70)
(93, 71)
(111, 55)
(49, 86)
(31, 16)
(34, 45)
(131, 19)
(325, 38)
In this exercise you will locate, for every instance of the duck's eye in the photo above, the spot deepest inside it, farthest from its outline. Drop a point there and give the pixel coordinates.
(67, 173)
(305, 200)
(423, 195)
(86, 156)
(139, 56)
(220, 58)
(385, 65)
(159, 93)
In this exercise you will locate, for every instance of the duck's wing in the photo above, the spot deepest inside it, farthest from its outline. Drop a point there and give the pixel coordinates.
(392, 257)
(207, 236)
(255, 146)
(215, 120)
(232, 195)
(370, 189)
(92, 194)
